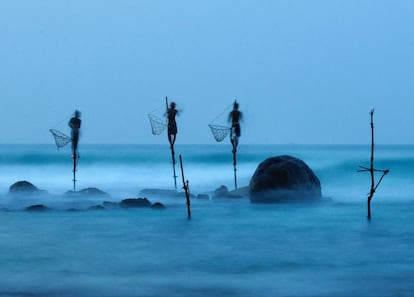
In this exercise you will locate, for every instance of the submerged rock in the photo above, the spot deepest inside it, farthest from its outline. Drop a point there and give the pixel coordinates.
(223, 192)
(135, 203)
(203, 197)
(37, 207)
(88, 192)
(284, 179)
(163, 193)
(158, 205)
(157, 193)
(96, 207)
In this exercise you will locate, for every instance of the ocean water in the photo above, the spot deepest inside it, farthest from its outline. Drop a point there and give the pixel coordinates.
(228, 248)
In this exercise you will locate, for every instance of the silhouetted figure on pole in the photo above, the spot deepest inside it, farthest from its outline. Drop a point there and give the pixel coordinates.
(75, 124)
(235, 117)
(172, 124)
(172, 132)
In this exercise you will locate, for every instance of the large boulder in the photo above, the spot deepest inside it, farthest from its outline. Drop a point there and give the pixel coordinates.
(284, 179)
(24, 187)
(135, 203)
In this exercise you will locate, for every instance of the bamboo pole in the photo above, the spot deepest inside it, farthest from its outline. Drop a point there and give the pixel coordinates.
(74, 170)
(173, 165)
(234, 142)
(186, 189)
(235, 169)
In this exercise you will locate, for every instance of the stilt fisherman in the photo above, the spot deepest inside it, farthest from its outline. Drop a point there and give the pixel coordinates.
(235, 116)
(172, 124)
(75, 124)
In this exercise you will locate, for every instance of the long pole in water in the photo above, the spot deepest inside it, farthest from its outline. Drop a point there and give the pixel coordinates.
(234, 142)
(186, 189)
(74, 170)
(173, 161)
(172, 151)
(235, 170)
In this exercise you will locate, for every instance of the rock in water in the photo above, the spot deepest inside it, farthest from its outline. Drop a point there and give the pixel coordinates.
(88, 192)
(203, 197)
(135, 203)
(37, 207)
(158, 205)
(221, 191)
(23, 187)
(284, 179)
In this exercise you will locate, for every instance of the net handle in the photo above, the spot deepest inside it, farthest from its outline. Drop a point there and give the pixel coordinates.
(225, 110)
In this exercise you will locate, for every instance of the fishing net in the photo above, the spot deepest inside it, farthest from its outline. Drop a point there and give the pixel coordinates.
(157, 124)
(219, 132)
(60, 139)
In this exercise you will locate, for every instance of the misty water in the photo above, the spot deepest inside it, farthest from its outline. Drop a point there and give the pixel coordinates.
(230, 247)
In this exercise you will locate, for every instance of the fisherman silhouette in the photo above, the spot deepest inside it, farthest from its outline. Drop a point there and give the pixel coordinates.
(172, 124)
(235, 116)
(75, 124)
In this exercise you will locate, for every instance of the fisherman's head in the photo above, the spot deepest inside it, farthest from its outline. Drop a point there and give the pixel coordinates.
(172, 105)
(235, 105)
(77, 114)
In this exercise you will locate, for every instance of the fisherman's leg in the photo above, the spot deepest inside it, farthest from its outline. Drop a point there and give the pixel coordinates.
(235, 143)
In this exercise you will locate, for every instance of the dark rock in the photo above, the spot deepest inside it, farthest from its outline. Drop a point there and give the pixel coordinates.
(37, 207)
(24, 187)
(135, 203)
(96, 207)
(223, 192)
(203, 197)
(284, 179)
(88, 192)
(93, 192)
(73, 209)
(158, 205)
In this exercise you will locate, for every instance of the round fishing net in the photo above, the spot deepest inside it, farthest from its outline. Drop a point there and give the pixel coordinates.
(219, 132)
(157, 124)
(61, 139)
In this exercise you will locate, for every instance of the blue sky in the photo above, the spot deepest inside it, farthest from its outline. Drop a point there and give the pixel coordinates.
(305, 72)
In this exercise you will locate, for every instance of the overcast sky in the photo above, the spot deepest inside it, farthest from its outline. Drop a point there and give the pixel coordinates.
(305, 72)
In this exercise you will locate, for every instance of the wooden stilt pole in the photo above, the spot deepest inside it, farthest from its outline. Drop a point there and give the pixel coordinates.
(234, 142)
(235, 169)
(173, 165)
(74, 170)
(371, 169)
(186, 189)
